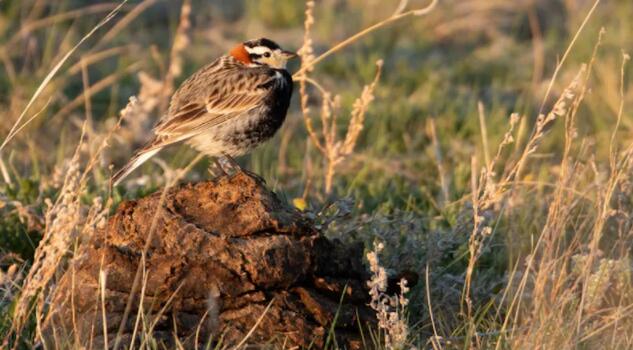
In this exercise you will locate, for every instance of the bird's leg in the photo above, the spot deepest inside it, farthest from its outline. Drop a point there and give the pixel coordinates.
(225, 165)
(216, 169)
(237, 168)
(231, 162)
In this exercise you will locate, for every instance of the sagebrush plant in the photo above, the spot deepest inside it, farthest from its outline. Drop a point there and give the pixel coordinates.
(526, 247)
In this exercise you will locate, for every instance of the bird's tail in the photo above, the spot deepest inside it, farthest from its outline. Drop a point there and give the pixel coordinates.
(137, 160)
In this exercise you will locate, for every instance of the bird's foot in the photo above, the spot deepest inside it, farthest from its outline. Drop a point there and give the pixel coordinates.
(227, 162)
(216, 170)
(253, 175)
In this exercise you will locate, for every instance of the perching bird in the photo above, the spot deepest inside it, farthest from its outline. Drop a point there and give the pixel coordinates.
(228, 107)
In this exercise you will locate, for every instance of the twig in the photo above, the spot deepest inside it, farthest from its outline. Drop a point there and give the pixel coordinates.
(353, 38)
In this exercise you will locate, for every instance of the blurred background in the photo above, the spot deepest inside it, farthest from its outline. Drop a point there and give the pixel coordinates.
(450, 82)
(500, 53)
(437, 68)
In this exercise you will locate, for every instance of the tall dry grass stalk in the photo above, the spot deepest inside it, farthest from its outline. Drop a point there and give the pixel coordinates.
(67, 220)
(326, 140)
(333, 150)
(398, 15)
(571, 289)
(181, 42)
(579, 286)
(18, 125)
(64, 224)
(140, 277)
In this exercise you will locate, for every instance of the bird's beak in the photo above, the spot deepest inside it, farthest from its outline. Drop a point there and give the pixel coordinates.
(288, 54)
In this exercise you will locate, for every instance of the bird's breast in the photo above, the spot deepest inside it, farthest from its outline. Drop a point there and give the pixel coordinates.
(242, 133)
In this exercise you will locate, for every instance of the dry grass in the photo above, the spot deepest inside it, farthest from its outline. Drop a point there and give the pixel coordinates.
(334, 152)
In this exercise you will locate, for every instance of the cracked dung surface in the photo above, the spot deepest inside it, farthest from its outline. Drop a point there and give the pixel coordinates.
(220, 253)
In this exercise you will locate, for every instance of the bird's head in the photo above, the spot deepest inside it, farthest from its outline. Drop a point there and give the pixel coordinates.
(262, 52)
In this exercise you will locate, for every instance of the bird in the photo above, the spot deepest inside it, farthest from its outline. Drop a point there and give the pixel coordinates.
(226, 108)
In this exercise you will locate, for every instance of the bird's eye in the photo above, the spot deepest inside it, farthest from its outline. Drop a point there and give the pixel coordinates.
(266, 54)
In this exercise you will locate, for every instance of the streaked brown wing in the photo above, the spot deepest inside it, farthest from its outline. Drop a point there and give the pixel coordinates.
(185, 119)
(237, 93)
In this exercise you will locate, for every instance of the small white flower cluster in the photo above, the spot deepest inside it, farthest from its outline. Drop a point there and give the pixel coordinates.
(389, 308)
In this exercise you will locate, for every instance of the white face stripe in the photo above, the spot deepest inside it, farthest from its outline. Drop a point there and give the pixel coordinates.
(257, 50)
(265, 56)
